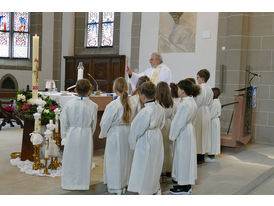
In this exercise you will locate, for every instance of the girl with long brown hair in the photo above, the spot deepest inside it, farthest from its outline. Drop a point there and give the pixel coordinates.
(164, 98)
(115, 126)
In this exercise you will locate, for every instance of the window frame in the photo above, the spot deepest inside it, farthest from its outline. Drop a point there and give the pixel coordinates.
(100, 31)
(11, 36)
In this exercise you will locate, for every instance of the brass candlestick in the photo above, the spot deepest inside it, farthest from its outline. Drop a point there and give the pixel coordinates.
(52, 165)
(57, 163)
(35, 165)
(57, 138)
(40, 165)
(46, 167)
(36, 158)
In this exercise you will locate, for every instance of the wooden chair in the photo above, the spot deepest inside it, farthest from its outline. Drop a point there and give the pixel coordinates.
(8, 116)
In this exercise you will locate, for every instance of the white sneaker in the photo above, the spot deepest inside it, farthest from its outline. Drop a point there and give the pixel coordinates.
(208, 159)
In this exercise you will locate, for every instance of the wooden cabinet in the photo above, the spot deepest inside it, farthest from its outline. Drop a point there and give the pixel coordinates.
(104, 69)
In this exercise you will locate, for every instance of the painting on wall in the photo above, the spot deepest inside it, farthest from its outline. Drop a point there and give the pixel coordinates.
(177, 32)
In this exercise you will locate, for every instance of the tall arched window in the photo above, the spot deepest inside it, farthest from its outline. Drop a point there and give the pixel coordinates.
(14, 35)
(100, 27)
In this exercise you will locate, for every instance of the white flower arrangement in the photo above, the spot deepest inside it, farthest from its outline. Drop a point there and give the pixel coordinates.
(21, 97)
(37, 115)
(57, 111)
(38, 102)
(51, 126)
(36, 138)
(46, 111)
(40, 109)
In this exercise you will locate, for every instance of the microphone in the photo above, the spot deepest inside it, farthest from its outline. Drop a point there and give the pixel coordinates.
(258, 75)
(94, 81)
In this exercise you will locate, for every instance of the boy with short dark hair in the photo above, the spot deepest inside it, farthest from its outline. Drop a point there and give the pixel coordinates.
(202, 122)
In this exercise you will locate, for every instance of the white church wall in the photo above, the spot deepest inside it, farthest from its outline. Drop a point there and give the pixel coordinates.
(183, 65)
(24, 77)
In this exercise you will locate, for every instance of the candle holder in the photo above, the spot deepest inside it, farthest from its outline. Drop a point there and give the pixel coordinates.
(36, 158)
(57, 163)
(52, 165)
(57, 138)
(35, 162)
(46, 172)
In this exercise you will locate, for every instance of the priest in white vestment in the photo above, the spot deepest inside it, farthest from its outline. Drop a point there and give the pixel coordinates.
(78, 123)
(157, 72)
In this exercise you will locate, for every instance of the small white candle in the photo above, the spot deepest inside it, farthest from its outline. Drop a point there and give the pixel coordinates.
(46, 153)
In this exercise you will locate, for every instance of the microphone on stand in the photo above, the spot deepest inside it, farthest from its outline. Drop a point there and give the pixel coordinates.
(94, 81)
(253, 73)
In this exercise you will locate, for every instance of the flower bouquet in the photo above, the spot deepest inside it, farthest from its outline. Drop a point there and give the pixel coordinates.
(26, 106)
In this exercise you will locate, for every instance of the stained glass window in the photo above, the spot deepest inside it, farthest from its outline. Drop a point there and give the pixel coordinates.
(14, 35)
(21, 21)
(4, 34)
(4, 44)
(100, 27)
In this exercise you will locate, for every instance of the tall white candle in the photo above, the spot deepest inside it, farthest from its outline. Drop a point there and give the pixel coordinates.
(35, 66)
(56, 123)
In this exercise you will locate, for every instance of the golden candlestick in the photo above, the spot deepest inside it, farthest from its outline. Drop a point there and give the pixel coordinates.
(57, 163)
(57, 138)
(52, 165)
(35, 165)
(36, 158)
(46, 167)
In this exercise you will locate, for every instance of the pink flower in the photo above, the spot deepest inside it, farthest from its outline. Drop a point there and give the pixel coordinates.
(26, 107)
(9, 108)
(52, 107)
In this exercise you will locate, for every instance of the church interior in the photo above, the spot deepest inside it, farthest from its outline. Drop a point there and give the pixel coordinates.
(237, 48)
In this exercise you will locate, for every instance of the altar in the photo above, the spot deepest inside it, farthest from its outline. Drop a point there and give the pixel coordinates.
(62, 99)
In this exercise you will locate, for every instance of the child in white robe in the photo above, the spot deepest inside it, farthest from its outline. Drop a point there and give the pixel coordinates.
(135, 98)
(184, 169)
(202, 122)
(163, 97)
(147, 141)
(215, 112)
(174, 94)
(115, 126)
(78, 123)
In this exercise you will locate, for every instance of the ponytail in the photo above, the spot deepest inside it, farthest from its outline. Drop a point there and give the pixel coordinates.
(127, 109)
(120, 84)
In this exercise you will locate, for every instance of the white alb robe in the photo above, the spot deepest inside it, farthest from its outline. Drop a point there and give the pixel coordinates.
(168, 145)
(78, 123)
(118, 157)
(165, 75)
(202, 122)
(215, 112)
(147, 141)
(184, 168)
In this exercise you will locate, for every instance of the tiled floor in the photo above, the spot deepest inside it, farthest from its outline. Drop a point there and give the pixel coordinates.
(248, 172)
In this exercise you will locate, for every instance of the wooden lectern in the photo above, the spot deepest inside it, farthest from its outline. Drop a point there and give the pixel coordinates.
(241, 123)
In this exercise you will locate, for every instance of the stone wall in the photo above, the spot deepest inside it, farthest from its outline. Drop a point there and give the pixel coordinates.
(248, 39)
